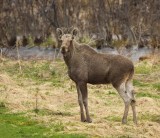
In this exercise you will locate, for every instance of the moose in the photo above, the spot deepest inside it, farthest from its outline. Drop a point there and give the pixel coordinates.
(86, 65)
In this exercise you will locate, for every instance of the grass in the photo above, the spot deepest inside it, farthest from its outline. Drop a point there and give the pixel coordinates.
(140, 83)
(15, 125)
(146, 94)
(38, 72)
(156, 86)
(113, 118)
(57, 110)
(45, 112)
(143, 68)
(150, 117)
(58, 126)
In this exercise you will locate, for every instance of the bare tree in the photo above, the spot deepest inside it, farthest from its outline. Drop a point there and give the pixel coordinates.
(133, 19)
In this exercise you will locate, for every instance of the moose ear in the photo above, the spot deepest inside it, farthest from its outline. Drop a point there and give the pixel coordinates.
(59, 33)
(74, 32)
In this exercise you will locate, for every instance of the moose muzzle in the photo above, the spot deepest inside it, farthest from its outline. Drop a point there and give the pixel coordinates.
(64, 49)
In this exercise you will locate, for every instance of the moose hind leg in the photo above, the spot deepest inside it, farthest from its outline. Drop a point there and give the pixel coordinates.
(80, 101)
(122, 92)
(130, 92)
(133, 103)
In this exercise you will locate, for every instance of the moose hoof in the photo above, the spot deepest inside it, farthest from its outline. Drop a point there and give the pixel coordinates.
(124, 121)
(89, 120)
(83, 120)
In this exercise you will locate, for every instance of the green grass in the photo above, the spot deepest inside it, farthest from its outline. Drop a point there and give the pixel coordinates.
(16, 125)
(149, 117)
(146, 94)
(143, 68)
(111, 93)
(58, 126)
(146, 68)
(140, 83)
(39, 72)
(156, 86)
(113, 118)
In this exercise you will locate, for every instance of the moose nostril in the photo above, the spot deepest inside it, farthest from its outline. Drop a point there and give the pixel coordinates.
(63, 49)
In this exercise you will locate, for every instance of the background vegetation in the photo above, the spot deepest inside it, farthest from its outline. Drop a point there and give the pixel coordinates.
(132, 22)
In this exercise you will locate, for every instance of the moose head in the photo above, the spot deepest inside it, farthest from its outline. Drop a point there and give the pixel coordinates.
(66, 39)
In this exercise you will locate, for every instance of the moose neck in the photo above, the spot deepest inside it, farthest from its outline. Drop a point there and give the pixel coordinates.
(68, 56)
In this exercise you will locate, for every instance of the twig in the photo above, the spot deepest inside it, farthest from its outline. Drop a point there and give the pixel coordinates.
(18, 42)
(19, 62)
(36, 104)
(1, 54)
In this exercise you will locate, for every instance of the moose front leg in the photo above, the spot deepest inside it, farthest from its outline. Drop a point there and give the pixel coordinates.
(80, 101)
(84, 92)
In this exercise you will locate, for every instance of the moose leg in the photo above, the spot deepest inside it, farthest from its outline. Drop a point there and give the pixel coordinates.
(80, 101)
(122, 92)
(130, 92)
(83, 88)
(133, 103)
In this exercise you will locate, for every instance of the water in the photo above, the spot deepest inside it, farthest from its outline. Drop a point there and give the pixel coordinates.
(37, 53)
(133, 54)
(28, 53)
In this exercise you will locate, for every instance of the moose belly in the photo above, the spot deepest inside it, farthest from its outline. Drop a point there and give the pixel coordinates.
(98, 78)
